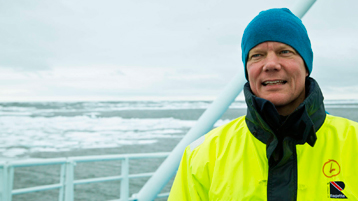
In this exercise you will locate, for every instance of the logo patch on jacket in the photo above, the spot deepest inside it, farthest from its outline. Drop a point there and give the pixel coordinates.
(331, 168)
(335, 190)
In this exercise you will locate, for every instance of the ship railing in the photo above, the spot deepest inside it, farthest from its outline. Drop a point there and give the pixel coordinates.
(67, 181)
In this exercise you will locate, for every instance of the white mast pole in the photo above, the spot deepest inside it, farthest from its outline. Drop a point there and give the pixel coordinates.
(205, 123)
(301, 7)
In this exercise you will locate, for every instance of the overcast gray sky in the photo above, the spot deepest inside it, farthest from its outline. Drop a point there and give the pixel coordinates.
(155, 49)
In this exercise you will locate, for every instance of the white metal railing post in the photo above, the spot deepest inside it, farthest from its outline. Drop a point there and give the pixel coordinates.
(62, 182)
(3, 182)
(124, 194)
(6, 182)
(10, 182)
(168, 168)
(69, 189)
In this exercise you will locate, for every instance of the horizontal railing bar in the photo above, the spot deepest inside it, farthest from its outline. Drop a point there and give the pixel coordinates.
(35, 189)
(37, 162)
(163, 195)
(114, 178)
(119, 157)
(95, 180)
(83, 181)
(79, 159)
(134, 196)
(134, 176)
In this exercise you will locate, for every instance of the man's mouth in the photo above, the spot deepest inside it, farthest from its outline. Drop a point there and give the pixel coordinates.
(274, 82)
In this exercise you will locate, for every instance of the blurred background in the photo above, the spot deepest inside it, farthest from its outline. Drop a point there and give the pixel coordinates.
(154, 50)
(90, 77)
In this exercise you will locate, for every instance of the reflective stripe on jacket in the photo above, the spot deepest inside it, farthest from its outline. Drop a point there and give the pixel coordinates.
(230, 163)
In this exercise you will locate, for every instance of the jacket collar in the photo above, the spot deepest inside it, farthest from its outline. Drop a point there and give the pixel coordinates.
(267, 125)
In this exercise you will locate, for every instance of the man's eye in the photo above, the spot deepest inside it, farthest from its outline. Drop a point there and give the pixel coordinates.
(255, 55)
(285, 51)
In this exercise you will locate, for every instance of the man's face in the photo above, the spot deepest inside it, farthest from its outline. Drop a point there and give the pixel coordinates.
(277, 73)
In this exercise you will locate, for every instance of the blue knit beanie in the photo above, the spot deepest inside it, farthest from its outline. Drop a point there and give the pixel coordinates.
(278, 25)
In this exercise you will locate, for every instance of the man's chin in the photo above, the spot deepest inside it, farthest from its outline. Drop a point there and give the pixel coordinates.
(278, 100)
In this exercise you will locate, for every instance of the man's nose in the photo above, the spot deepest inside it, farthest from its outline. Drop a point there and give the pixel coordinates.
(272, 62)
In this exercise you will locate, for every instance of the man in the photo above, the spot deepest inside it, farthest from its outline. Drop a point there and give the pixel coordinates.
(286, 147)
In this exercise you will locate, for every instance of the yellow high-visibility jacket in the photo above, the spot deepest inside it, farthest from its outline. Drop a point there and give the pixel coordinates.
(236, 162)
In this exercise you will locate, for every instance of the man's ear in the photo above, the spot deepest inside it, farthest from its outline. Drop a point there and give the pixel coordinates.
(306, 71)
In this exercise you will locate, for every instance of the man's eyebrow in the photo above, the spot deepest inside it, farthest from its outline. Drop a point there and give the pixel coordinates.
(282, 46)
(255, 50)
